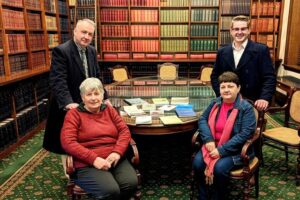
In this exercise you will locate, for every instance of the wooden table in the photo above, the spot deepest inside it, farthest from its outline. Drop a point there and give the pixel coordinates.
(199, 93)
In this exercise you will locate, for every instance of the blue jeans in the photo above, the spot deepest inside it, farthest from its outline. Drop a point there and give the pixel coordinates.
(221, 176)
(119, 182)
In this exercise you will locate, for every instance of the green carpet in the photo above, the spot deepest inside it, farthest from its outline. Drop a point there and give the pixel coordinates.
(33, 173)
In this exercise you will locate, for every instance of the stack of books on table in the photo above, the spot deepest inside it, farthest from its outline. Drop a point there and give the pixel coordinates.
(133, 110)
(179, 100)
(160, 101)
(185, 110)
(135, 101)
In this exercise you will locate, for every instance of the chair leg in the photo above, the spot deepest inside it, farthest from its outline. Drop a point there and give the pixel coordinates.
(286, 154)
(298, 170)
(246, 190)
(256, 175)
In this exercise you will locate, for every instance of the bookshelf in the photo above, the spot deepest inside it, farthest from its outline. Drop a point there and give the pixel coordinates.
(29, 29)
(292, 51)
(157, 30)
(265, 23)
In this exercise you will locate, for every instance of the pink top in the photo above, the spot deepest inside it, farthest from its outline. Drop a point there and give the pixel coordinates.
(222, 120)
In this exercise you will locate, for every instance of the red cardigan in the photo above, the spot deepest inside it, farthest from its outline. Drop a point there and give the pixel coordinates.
(87, 136)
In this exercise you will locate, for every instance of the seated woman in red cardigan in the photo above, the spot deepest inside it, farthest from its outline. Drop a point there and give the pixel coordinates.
(97, 138)
(227, 123)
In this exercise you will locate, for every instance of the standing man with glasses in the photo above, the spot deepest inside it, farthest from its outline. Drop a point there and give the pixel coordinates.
(251, 61)
(72, 62)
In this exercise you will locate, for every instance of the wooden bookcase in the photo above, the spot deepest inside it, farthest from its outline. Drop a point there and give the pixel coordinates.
(292, 51)
(29, 30)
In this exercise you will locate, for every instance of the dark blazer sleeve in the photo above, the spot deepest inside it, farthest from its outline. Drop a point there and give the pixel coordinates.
(267, 74)
(58, 78)
(216, 73)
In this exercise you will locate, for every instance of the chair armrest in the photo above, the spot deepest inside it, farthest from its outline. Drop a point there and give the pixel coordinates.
(69, 165)
(277, 108)
(135, 160)
(248, 143)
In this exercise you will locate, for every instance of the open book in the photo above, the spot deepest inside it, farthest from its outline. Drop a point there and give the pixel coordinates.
(185, 110)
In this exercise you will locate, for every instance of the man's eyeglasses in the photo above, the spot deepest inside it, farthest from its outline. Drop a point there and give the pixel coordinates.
(240, 29)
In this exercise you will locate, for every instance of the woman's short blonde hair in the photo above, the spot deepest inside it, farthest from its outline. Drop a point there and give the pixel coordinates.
(91, 84)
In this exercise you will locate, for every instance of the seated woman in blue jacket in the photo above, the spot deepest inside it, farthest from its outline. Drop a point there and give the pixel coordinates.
(227, 123)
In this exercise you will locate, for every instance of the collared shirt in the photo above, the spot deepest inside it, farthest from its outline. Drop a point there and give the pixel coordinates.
(237, 53)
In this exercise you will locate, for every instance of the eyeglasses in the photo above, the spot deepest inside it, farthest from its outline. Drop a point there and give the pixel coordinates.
(240, 29)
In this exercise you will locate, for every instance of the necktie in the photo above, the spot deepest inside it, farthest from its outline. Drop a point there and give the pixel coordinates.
(84, 62)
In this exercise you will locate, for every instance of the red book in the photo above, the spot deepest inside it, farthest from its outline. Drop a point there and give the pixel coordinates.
(151, 55)
(180, 56)
(123, 55)
(110, 56)
(138, 56)
(167, 56)
(196, 56)
(210, 55)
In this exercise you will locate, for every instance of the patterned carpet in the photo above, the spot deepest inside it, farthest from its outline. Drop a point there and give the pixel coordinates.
(33, 173)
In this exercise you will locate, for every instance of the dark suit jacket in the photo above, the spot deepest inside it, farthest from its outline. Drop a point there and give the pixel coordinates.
(66, 75)
(255, 71)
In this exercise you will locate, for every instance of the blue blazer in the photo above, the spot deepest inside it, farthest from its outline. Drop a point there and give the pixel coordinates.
(243, 129)
(255, 71)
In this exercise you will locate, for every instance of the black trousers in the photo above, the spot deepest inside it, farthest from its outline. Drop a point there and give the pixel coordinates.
(119, 182)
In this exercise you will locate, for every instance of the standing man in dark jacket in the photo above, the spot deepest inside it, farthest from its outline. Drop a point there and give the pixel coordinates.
(72, 62)
(250, 61)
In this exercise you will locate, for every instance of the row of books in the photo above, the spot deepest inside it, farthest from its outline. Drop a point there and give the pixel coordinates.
(35, 4)
(114, 15)
(13, 19)
(236, 7)
(163, 91)
(51, 23)
(174, 15)
(204, 45)
(18, 62)
(53, 40)
(5, 104)
(90, 2)
(174, 45)
(17, 3)
(63, 24)
(268, 40)
(27, 120)
(120, 30)
(264, 25)
(62, 7)
(205, 15)
(145, 45)
(156, 56)
(8, 134)
(23, 95)
(226, 22)
(1, 44)
(82, 13)
(65, 37)
(50, 6)
(204, 30)
(266, 8)
(43, 107)
(225, 38)
(174, 30)
(16, 43)
(38, 59)
(34, 21)
(42, 88)
(153, 3)
(204, 2)
(144, 16)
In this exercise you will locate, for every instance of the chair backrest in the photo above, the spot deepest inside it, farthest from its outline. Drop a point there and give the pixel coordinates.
(168, 71)
(205, 73)
(119, 73)
(295, 106)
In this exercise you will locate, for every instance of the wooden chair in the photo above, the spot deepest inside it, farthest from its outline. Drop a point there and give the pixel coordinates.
(249, 172)
(119, 73)
(287, 138)
(75, 192)
(205, 73)
(168, 71)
